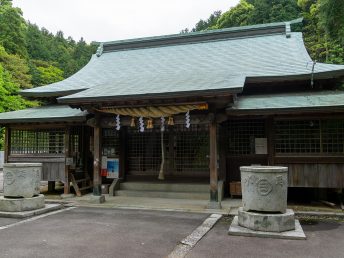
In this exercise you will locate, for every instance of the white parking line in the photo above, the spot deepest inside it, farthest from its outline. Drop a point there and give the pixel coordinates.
(35, 218)
(182, 249)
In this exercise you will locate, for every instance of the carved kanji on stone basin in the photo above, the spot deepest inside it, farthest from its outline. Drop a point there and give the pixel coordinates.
(22, 179)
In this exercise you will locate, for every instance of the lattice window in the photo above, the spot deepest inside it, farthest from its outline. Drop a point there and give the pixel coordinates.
(75, 139)
(110, 142)
(192, 148)
(332, 136)
(309, 136)
(39, 141)
(144, 150)
(186, 149)
(240, 135)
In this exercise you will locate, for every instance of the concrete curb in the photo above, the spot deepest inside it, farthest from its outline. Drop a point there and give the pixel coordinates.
(319, 214)
(124, 207)
(184, 247)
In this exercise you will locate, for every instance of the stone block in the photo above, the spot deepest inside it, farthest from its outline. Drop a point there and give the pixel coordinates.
(236, 230)
(67, 196)
(264, 188)
(267, 222)
(97, 199)
(22, 179)
(214, 205)
(21, 204)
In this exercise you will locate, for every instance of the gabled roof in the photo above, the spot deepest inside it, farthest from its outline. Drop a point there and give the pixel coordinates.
(218, 61)
(274, 103)
(53, 113)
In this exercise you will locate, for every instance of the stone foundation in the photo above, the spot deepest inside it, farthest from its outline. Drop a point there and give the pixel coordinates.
(21, 204)
(267, 222)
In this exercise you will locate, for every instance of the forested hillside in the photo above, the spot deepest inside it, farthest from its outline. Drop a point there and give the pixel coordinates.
(31, 56)
(323, 26)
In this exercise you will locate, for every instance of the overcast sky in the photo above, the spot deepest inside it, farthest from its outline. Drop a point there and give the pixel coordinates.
(105, 20)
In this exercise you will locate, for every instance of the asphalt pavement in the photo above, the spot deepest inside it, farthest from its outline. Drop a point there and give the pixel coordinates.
(94, 232)
(99, 232)
(324, 239)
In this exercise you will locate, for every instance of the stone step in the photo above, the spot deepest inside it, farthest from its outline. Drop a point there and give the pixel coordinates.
(165, 187)
(162, 194)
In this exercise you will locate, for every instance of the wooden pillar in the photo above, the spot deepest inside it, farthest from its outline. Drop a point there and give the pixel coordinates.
(222, 154)
(97, 160)
(270, 134)
(123, 152)
(66, 189)
(7, 144)
(213, 167)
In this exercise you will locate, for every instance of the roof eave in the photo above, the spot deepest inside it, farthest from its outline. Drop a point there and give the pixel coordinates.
(317, 76)
(44, 120)
(168, 95)
(48, 94)
(273, 111)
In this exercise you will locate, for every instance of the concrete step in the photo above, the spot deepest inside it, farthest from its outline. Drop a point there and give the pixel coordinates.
(165, 187)
(163, 194)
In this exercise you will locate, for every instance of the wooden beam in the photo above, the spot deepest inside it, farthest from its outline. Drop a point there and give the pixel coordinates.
(269, 123)
(66, 189)
(122, 152)
(75, 186)
(97, 159)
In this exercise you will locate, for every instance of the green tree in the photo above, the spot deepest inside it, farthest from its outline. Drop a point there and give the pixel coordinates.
(12, 29)
(38, 42)
(9, 98)
(82, 53)
(17, 67)
(239, 15)
(266, 11)
(65, 54)
(320, 44)
(44, 73)
(331, 14)
(206, 24)
(50, 74)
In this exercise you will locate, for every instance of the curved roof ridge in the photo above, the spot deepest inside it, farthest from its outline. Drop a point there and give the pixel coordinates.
(198, 36)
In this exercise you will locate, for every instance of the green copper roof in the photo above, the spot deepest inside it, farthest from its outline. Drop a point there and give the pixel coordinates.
(287, 101)
(55, 113)
(189, 64)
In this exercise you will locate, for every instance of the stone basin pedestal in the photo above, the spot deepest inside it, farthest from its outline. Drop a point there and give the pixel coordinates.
(264, 198)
